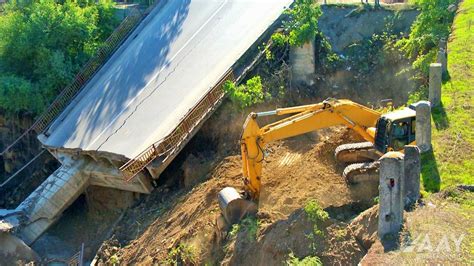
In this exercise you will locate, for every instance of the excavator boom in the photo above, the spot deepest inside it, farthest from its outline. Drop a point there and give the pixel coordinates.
(303, 119)
(388, 132)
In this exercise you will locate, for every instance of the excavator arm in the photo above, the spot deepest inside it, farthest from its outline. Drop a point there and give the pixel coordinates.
(303, 119)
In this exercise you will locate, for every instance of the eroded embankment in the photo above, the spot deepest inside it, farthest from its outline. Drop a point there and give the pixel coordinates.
(295, 171)
(182, 224)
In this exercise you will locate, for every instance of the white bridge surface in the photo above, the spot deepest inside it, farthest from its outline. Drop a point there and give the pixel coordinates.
(160, 72)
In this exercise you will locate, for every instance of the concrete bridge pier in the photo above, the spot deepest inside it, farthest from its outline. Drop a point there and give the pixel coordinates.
(302, 61)
(45, 205)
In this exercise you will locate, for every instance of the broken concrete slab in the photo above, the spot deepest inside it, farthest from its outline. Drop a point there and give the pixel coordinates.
(13, 251)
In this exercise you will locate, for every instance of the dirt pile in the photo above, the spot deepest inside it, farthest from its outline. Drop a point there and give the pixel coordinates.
(295, 171)
(361, 23)
(295, 236)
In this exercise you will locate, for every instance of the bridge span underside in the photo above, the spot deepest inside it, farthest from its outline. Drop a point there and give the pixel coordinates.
(162, 70)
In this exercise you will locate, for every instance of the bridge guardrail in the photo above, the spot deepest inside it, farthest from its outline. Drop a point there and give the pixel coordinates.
(167, 145)
(88, 71)
(65, 97)
(61, 101)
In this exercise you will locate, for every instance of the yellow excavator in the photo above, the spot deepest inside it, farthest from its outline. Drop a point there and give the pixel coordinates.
(383, 133)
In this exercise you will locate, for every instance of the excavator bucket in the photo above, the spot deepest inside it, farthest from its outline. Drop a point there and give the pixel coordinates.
(233, 206)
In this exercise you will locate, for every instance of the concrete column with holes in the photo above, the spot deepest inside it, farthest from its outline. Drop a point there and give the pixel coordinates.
(390, 194)
(436, 75)
(411, 182)
(442, 57)
(423, 125)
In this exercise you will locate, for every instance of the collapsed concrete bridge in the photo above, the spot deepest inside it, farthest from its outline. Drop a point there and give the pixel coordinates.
(138, 111)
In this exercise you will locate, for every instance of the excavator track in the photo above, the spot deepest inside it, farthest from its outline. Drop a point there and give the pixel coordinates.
(356, 153)
(361, 172)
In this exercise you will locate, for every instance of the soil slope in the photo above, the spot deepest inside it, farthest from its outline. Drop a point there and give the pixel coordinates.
(295, 171)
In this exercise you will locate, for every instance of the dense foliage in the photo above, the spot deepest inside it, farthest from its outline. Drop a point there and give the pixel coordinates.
(302, 27)
(302, 24)
(432, 25)
(245, 95)
(43, 44)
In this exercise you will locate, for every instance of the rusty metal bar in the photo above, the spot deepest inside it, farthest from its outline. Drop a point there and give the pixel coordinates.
(180, 133)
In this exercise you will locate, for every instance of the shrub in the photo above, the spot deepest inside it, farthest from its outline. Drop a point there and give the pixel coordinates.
(315, 214)
(245, 95)
(279, 39)
(307, 261)
(432, 24)
(303, 23)
(249, 224)
(182, 254)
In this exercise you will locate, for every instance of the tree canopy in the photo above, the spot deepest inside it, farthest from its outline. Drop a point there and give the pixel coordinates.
(303, 23)
(43, 44)
(432, 24)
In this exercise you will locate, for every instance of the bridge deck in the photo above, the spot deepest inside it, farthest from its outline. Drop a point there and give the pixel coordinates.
(161, 72)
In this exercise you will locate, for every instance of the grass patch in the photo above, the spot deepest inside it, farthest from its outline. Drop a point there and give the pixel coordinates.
(452, 160)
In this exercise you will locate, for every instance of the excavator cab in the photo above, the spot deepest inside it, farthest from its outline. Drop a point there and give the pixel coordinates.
(382, 133)
(395, 130)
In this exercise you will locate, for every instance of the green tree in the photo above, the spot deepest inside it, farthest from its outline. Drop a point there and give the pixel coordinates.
(303, 23)
(245, 95)
(432, 24)
(17, 94)
(46, 42)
